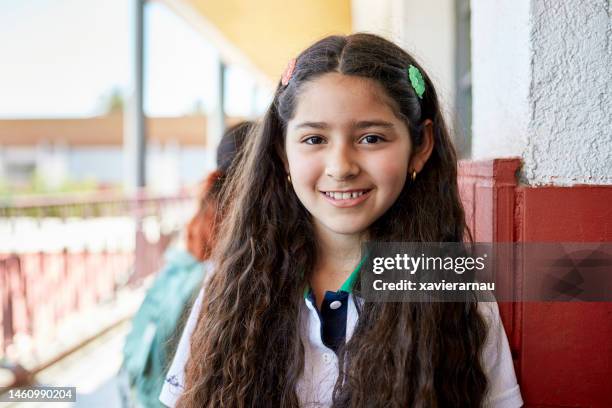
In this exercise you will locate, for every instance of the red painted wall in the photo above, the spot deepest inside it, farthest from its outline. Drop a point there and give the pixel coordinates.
(562, 351)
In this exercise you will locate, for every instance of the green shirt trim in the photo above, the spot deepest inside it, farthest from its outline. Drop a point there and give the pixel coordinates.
(348, 284)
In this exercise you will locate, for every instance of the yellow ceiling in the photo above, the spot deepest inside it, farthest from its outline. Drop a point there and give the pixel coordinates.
(270, 32)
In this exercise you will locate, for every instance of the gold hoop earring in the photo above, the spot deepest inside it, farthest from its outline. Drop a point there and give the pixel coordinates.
(289, 178)
(414, 173)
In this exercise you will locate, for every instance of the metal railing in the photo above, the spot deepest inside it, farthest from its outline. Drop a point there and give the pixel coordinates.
(63, 255)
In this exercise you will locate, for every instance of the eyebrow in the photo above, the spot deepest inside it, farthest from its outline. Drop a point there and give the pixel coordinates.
(315, 125)
(364, 124)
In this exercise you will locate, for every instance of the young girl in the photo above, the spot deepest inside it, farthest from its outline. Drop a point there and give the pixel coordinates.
(352, 148)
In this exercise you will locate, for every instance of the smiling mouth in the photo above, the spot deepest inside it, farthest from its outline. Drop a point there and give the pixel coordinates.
(345, 195)
(347, 198)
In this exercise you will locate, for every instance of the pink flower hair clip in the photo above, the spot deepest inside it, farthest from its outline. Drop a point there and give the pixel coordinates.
(288, 72)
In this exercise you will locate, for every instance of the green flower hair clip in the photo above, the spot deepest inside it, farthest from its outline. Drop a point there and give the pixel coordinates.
(416, 80)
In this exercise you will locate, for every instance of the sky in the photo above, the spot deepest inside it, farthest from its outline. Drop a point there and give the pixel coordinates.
(63, 58)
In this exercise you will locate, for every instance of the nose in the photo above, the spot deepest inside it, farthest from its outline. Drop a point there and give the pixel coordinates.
(341, 163)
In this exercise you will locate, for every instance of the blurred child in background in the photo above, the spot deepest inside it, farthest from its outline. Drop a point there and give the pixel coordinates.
(151, 342)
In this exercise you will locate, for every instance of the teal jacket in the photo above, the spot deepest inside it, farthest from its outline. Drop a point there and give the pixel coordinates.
(157, 325)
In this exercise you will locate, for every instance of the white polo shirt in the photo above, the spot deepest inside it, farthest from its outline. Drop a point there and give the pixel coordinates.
(315, 386)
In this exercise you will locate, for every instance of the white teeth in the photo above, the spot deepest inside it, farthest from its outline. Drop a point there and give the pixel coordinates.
(344, 196)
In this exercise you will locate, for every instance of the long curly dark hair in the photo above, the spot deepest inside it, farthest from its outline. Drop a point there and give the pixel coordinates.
(202, 229)
(246, 349)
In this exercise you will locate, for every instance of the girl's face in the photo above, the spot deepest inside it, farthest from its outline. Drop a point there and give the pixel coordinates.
(347, 152)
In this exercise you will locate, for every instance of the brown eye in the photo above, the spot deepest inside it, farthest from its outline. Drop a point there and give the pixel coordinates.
(371, 139)
(314, 140)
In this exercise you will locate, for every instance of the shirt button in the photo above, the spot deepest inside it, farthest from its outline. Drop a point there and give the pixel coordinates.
(335, 304)
(327, 358)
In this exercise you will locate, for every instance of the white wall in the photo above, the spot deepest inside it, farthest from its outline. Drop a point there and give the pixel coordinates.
(500, 77)
(571, 129)
(541, 87)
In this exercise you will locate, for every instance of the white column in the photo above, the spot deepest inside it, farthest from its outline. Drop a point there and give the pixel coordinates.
(215, 116)
(134, 138)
